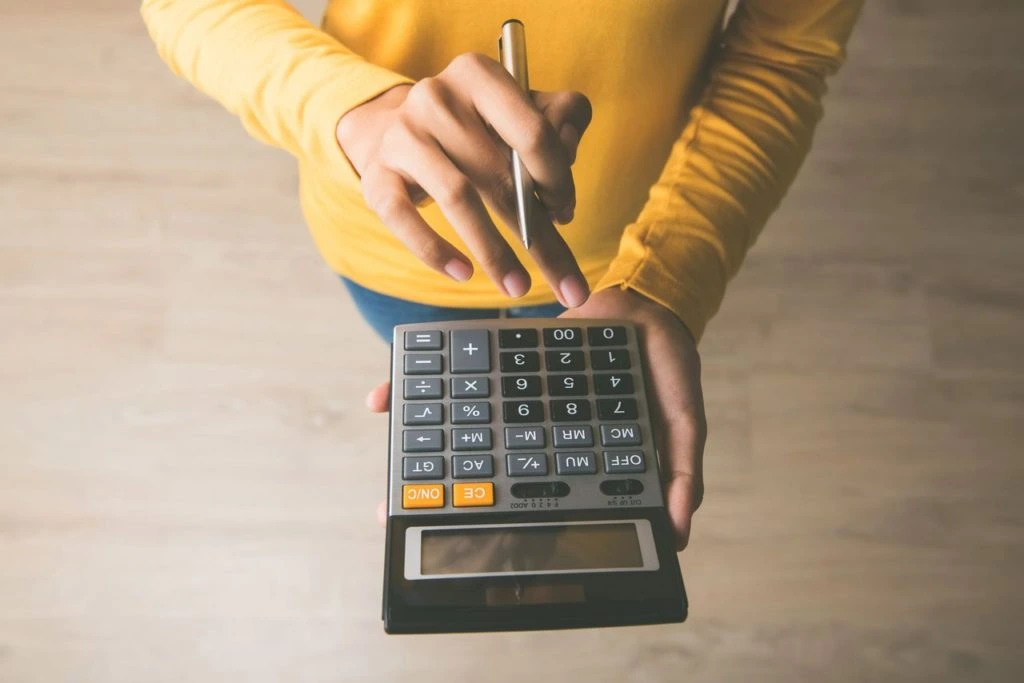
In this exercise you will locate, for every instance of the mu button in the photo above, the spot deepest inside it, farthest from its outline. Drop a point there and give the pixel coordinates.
(473, 494)
(423, 496)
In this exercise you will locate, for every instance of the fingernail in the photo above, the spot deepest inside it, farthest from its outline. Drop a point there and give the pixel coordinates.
(458, 270)
(516, 283)
(574, 290)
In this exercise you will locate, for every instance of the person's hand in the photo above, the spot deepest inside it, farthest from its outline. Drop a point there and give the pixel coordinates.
(449, 138)
(674, 390)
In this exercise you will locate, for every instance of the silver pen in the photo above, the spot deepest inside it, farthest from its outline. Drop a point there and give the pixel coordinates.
(512, 48)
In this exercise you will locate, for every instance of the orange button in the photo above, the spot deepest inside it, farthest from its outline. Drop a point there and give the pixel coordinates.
(473, 494)
(423, 496)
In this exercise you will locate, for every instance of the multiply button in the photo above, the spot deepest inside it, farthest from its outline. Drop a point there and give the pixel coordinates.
(470, 350)
(624, 462)
(524, 437)
(423, 363)
(422, 440)
(471, 466)
(526, 464)
(422, 496)
(427, 387)
(620, 435)
(423, 467)
(473, 494)
(424, 340)
(471, 387)
(569, 436)
(471, 439)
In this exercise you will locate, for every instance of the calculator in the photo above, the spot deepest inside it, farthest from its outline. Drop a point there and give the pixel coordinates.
(523, 481)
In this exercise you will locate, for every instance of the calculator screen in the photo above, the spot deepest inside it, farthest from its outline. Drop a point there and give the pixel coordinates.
(533, 548)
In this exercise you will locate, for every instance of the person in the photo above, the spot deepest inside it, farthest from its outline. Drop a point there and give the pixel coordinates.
(661, 136)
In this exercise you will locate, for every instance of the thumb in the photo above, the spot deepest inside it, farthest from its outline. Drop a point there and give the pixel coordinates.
(379, 398)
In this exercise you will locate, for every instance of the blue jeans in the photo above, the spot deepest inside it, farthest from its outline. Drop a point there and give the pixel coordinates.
(383, 312)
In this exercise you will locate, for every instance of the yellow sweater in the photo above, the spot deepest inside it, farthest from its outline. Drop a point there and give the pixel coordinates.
(697, 131)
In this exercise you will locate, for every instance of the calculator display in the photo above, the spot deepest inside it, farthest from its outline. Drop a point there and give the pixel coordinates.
(492, 550)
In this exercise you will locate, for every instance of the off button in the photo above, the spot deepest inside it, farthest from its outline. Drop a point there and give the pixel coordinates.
(422, 496)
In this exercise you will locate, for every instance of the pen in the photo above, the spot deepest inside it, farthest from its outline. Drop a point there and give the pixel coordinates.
(512, 48)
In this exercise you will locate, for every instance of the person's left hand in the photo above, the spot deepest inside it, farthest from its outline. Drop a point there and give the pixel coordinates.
(674, 389)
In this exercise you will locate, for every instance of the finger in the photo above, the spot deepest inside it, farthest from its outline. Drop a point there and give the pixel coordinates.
(386, 193)
(516, 119)
(382, 513)
(426, 164)
(379, 398)
(570, 114)
(557, 263)
(681, 440)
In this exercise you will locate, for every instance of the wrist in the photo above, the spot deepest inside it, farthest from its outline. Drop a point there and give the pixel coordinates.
(358, 129)
(651, 310)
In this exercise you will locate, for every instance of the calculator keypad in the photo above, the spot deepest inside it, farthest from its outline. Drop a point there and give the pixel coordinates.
(520, 415)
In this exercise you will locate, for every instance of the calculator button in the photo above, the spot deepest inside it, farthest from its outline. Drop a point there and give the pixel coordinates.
(473, 494)
(570, 411)
(620, 435)
(470, 350)
(423, 363)
(478, 439)
(616, 409)
(563, 336)
(471, 387)
(527, 464)
(423, 496)
(624, 462)
(564, 361)
(609, 359)
(622, 487)
(606, 336)
(524, 437)
(517, 339)
(471, 412)
(520, 361)
(567, 385)
(423, 340)
(472, 466)
(523, 411)
(575, 463)
(613, 384)
(423, 467)
(427, 387)
(526, 385)
(422, 440)
(540, 489)
(569, 436)
(422, 414)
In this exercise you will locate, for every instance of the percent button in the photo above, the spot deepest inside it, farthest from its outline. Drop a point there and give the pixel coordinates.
(471, 412)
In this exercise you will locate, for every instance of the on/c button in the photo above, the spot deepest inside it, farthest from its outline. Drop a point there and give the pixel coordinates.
(423, 496)
(473, 494)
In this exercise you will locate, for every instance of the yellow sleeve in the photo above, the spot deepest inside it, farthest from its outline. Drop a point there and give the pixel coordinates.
(737, 155)
(288, 81)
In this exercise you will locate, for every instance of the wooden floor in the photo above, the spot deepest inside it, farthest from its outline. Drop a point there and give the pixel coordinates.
(188, 478)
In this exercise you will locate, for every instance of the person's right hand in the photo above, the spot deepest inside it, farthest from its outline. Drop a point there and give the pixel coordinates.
(450, 138)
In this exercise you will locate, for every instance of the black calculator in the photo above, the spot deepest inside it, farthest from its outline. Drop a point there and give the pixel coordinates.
(523, 482)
